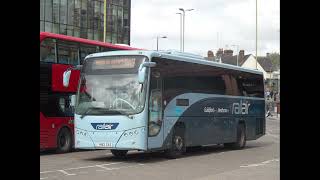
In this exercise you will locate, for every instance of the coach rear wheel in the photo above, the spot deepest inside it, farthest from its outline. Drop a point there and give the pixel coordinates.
(119, 153)
(64, 141)
(241, 138)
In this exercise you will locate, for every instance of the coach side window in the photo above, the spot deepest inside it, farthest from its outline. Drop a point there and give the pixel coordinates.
(251, 85)
(234, 86)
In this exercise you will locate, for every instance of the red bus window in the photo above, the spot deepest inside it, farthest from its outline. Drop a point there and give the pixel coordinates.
(68, 53)
(86, 50)
(47, 50)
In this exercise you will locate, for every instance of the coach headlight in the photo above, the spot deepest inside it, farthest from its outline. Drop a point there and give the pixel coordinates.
(153, 129)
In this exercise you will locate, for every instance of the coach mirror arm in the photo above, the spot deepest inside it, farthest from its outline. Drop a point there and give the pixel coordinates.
(142, 71)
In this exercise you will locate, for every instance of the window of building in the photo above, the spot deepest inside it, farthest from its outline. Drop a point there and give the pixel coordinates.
(76, 31)
(90, 16)
(48, 26)
(48, 10)
(126, 2)
(85, 18)
(70, 30)
(63, 29)
(70, 16)
(63, 12)
(41, 26)
(77, 10)
(42, 7)
(55, 11)
(55, 28)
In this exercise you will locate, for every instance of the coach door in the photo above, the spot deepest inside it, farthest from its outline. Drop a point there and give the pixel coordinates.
(155, 121)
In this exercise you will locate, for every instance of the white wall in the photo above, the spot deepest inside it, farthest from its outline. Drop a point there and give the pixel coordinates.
(251, 63)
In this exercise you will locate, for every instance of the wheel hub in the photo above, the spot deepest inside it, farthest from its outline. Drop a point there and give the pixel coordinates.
(178, 141)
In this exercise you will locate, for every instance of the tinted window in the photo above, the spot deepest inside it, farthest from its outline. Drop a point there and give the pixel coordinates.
(181, 77)
(251, 85)
(196, 84)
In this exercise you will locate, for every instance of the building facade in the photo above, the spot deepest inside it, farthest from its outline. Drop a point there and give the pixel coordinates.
(85, 19)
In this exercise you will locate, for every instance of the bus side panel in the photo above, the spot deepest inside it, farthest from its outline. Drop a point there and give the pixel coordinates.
(49, 129)
(197, 130)
(57, 78)
(44, 133)
(211, 119)
(255, 120)
(200, 126)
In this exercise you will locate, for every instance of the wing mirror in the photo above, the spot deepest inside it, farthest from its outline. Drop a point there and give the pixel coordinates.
(142, 71)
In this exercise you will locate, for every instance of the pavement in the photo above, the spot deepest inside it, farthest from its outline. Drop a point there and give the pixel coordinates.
(274, 116)
(260, 160)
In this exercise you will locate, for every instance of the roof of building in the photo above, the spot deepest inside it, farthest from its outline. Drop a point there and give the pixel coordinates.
(233, 59)
(266, 64)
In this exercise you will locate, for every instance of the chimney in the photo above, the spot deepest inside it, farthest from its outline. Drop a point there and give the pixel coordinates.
(228, 53)
(241, 55)
(219, 52)
(210, 55)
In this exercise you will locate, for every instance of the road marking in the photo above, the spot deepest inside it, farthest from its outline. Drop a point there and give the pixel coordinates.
(64, 172)
(100, 166)
(260, 164)
(80, 167)
(46, 172)
(44, 178)
(121, 167)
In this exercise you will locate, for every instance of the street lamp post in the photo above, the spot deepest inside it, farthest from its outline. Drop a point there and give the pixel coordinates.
(104, 20)
(237, 53)
(180, 31)
(184, 14)
(158, 40)
(256, 34)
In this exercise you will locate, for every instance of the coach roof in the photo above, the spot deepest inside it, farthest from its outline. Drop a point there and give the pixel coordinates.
(174, 55)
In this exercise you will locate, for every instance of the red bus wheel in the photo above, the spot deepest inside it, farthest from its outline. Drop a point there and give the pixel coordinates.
(64, 141)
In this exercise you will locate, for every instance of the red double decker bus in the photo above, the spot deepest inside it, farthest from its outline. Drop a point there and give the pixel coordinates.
(57, 53)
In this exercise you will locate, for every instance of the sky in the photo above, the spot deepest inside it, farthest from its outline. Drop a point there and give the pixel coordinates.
(211, 25)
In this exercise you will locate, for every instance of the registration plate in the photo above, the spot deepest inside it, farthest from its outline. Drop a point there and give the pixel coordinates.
(104, 144)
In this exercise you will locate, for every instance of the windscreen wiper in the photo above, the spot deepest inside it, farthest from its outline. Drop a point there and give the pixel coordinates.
(90, 109)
